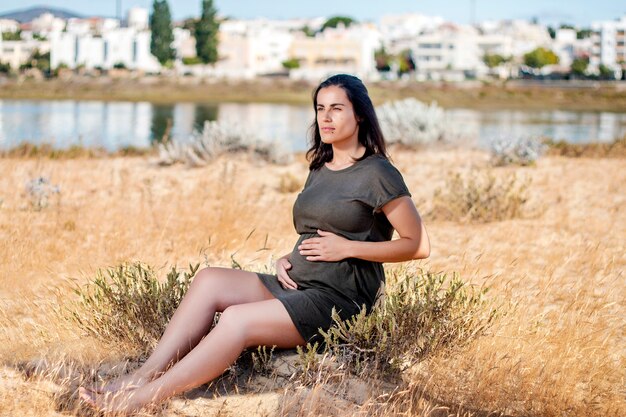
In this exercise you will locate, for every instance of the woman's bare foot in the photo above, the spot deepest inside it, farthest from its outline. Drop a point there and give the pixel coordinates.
(120, 403)
(125, 383)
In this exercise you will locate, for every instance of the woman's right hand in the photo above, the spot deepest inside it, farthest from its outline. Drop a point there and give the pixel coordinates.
(282, 266)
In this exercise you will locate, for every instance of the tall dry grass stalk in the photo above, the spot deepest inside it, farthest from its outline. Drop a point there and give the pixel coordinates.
(558, 351)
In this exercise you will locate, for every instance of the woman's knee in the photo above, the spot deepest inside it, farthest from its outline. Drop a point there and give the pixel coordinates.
(234, 321)
(206, 277)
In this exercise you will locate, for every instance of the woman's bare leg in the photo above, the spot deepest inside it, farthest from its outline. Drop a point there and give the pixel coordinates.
(212, 290)
(240, 326)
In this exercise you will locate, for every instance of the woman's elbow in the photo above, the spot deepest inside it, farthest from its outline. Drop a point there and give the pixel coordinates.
(423, 249)
(422, 253)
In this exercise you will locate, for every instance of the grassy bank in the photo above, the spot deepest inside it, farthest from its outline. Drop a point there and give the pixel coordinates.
(559, 269)
(514, 95)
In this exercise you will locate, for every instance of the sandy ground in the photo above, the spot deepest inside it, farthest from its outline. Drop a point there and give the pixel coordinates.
(561, 266)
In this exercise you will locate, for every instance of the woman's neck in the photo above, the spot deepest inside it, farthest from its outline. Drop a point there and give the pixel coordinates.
(347, 155)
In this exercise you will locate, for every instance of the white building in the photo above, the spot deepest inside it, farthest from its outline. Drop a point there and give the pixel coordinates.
(93, 25)
(342, 49)
(8, 25)
(398, 32)
(248, 48)
(609, 44)
(16, 53)
(449, 52)
(565, 46)
(119, 46)
(137, 18)
(495, 44)
(184, 43)
(47, 23)
(524, 36)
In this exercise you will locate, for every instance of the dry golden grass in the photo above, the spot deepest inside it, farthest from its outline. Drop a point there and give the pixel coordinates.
(558, 351)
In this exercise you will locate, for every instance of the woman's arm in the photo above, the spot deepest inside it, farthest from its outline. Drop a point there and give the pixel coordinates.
(413, 242)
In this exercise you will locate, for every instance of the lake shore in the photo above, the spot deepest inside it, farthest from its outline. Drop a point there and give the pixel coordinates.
(588, 96)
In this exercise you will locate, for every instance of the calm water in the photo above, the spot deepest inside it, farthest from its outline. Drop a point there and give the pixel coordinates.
(113, 125)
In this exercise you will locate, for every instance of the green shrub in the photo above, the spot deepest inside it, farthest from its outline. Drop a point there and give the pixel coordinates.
(127, 304)
(423, 313)
(191, 60)
(480, 197)
(291, 63)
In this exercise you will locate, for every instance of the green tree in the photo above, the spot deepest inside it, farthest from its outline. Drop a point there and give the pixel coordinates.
(162, 35)
(308, 31)
(291, 63)
(334, 21)
(5, 68)
(494, 60)
(39, 61)
(405, 62)
(579, 66)
(190, 24)
(606, 73)
(584, 33)
(206, 33)
(383, 59)
(540, 57)
(12, 36)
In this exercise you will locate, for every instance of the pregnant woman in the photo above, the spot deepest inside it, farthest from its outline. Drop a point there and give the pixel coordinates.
(352, 201)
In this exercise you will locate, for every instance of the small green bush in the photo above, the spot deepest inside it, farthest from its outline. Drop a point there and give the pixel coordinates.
(127, 304)
(191, 60)
(422, 314)
(480, 196)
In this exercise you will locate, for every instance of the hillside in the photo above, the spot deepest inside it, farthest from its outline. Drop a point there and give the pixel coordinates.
(26, 15)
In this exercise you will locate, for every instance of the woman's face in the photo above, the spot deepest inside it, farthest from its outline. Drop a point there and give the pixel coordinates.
(335, 116)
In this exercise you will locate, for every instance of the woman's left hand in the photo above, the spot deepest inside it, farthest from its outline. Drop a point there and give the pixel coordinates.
(328, 247)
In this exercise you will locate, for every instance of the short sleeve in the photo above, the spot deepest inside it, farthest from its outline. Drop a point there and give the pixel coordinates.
(385, 184)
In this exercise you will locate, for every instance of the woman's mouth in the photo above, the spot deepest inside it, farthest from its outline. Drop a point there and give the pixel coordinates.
(327, 129)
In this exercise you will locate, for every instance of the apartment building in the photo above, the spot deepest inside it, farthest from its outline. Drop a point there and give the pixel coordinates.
(336, 50)
(46, 23)
(448, 52)
(398, 32)
(249, 48)
(16, 53)
(9, 25)
(608, 44)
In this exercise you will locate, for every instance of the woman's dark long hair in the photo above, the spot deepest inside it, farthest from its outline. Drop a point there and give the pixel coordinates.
(370, 134)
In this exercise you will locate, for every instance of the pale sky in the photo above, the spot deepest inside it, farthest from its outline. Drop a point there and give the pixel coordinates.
(577, 12)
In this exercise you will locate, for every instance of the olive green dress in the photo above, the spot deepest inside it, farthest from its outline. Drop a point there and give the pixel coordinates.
(346, 202)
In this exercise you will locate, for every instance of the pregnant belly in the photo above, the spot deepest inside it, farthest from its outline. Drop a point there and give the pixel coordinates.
(338, 276)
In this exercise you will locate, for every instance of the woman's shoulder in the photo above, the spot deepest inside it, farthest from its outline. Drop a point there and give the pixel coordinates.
(380, 163)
